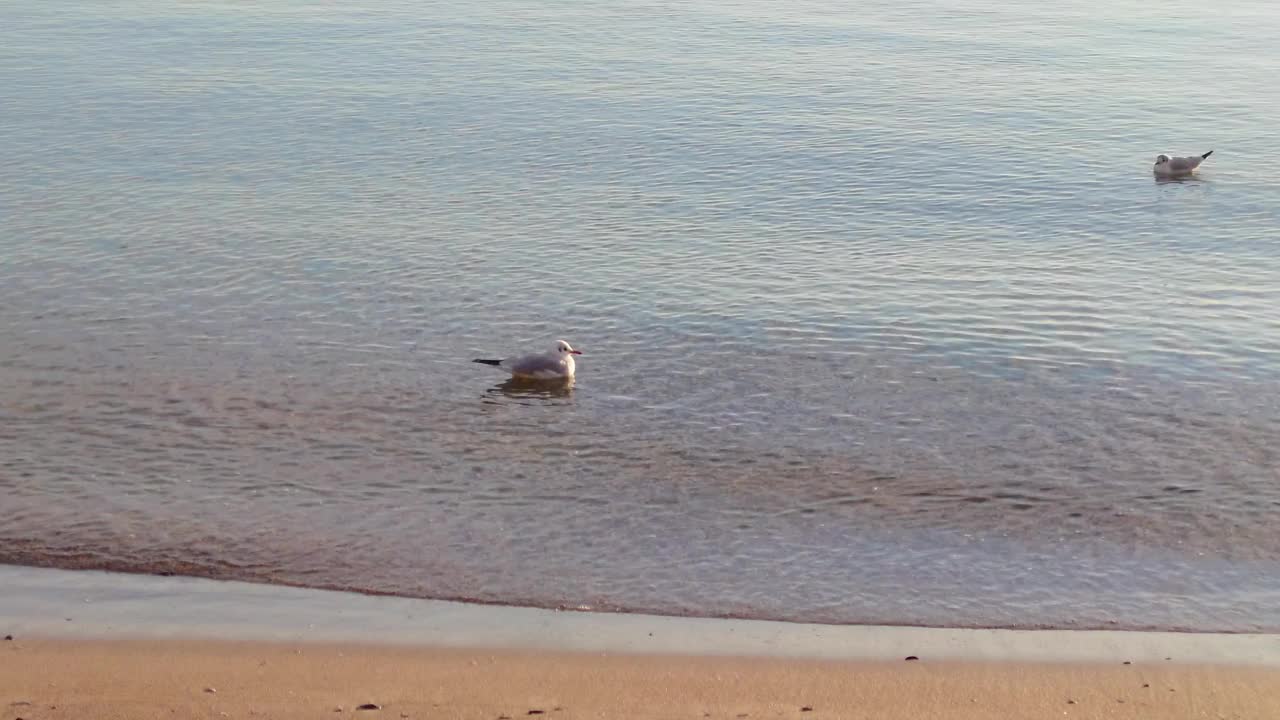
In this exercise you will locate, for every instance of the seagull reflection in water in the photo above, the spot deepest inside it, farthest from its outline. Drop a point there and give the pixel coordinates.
(524, 389)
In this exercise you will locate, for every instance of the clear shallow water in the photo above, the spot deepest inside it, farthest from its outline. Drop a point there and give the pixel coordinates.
(885, 318)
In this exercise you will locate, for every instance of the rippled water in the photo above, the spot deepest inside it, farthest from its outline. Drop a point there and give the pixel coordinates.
(884, 317)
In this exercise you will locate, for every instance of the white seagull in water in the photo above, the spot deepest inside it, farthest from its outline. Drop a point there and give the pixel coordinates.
(555, 365)
(1174, 166)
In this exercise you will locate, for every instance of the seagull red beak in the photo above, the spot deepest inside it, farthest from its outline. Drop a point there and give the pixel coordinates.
(575, 352)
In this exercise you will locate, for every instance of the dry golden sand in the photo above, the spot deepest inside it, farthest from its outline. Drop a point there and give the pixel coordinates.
(43, 679)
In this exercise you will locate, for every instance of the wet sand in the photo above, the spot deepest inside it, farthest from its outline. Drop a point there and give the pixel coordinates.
(102, 645)
(138, 679)
(75, 605)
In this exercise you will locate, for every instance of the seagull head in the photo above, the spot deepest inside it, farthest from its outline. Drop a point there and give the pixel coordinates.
(564, 348)
(1162, 159)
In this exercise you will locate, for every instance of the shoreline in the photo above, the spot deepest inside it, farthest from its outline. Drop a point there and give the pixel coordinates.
(75, 604)
(1110, 626)
(88, 644)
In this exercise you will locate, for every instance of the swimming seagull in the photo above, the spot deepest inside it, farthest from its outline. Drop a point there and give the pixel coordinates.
(1172, 166)
(555, 365)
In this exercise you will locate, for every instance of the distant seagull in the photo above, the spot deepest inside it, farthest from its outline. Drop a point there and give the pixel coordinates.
(1174, 166)
(555, 365)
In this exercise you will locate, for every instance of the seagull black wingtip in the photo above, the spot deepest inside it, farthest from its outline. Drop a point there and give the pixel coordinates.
(1207, 154)
(494, 363)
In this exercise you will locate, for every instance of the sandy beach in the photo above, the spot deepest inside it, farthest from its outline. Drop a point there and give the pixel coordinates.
(54, 679)
(104, 645)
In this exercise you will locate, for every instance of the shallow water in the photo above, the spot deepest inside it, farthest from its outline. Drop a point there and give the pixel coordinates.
(885, 319)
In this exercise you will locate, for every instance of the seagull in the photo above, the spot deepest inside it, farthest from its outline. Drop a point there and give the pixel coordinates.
(1174, 166)
(555, 365)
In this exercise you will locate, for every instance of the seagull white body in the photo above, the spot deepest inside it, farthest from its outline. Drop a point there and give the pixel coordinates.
(555, 365)
(1175, 166)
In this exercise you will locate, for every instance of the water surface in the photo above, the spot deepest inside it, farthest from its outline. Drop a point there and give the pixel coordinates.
(885, 318)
